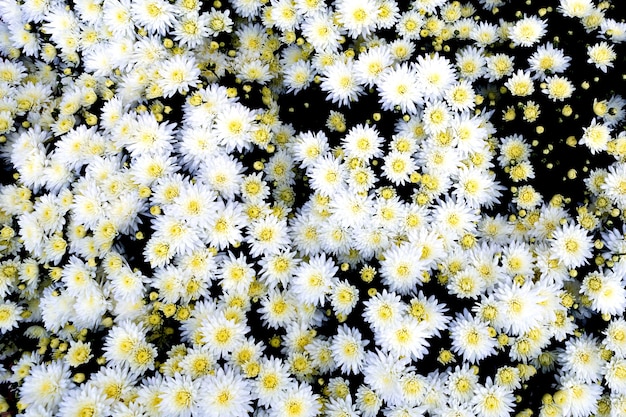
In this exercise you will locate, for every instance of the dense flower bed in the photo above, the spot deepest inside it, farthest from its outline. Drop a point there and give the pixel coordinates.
(300, 208)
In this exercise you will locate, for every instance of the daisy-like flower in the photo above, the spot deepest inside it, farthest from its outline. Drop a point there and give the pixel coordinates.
(297, 400)
(527, 197)
(402, 269)
(271, 381)
(572, 245)
(313, 280)
(225, 394)
(547, 60)
(399, 87)
(348, 349)
(461, 383)
(614, 184)
(582, 357)
(372, 63)
(156, 16)
(179, 396)
(579, 398)
(405, 337)
(606, 291)
(367, 401)
(477, 187)
(9, 316)
(358, 17)
(339, 81)
(527, 31)
(601, 55)
(383, 309)
(321, 32)
(220, 335)
(576, 8)
(615, 336)
(471, 338)
(615, 374)
(492, 400)
(233, 127)
(398, 167)
(328, 176)
(46, 384)
(298, 76)
(596, 137)
(558, 88)
(520, 84)
(470, 63)
(485, 34)
(178, 74)
(452, 216)
(84, 401)
(435, 74)
(362, 142)
(499, 66)
(461, 96)
(267, 235)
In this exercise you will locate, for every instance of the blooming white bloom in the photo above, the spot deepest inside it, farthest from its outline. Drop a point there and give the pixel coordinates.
(601, 55)
(399, 87)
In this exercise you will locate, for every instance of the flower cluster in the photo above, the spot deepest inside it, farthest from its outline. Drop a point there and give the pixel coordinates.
(303, 207)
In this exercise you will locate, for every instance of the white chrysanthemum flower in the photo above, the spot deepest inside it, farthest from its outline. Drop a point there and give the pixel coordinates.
(46, 384)
(572, 245)
(470, 63)
(461, 96)
(402, 269)
(576, 8)
(321, 32)
(362, 142)
(558, 88)
(601, 55)
(179, 396)
(578, 398)
(499, 66)
(596, 137)
(367, 401)
(615, 337)
(399, 87)
(398, 167)
(520, 84)
(527, 31)
(9, 316)
(358, 17)
(492, 400)
(328, 175)
(382, 373)
(372, 63)
(178, 74)
(582, 357)
(348, 348)
(383, 309)
(298, 76)
(472, 338)
(220, 335)
(340, 82)
(435, 74)
(405, 337)
(297, 400)
(606, 291)
(461, 383)
(225, 394)
(485, 34)
(344, 298)
(314, 279)
(271, 381)
(548, 60)
(156, 16)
